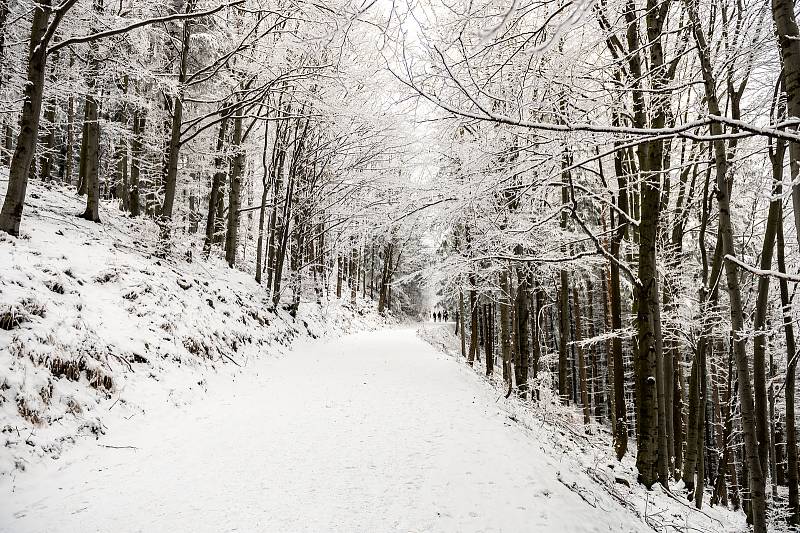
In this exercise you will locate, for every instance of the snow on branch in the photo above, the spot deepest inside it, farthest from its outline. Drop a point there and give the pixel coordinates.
(759, 272)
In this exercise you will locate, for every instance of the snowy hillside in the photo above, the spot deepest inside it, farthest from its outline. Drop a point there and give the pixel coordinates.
(93, 326)
(585, 460)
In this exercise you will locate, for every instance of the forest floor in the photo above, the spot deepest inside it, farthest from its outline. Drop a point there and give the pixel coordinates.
(375, 431)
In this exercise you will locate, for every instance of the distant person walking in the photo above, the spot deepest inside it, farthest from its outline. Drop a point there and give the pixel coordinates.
(445, 315)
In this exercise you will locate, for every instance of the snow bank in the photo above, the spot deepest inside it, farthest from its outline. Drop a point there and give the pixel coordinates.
(588, 464)
(90, 319)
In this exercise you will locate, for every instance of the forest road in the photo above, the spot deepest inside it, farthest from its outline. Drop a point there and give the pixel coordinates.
(373, 432)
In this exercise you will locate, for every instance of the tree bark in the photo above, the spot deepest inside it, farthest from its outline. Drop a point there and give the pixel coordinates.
(746, 400)
(92, 162)
(216, 186)
(791, 351)
(488, 337)
(522, 317)
(14, 202)
(234, 193)
(582, 381)
(461, 319)
(174, 143)
(505, 324)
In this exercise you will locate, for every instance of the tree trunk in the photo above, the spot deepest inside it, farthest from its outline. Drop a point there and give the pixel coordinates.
(488, 337)
(82, 158)
(788, 35)
(760, 339)
(563, 337)
(68, 156)
(791, 350)
(473, 314)
(536, 313)
(339, 276)
(505, 324)
(216, 186)
(11, 213)
(262, 210)
(385, 279)
(461, 320)
(646, 356)
(615, 296)
(136, 161)
(522, 318)
(582, 381)
(174, 143)
(48, 141)
(353, 275)
(92, 162)
(234, 193)
(748, 415)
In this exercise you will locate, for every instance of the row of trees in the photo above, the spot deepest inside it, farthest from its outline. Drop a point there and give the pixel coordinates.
(620, 183)
(240, 128)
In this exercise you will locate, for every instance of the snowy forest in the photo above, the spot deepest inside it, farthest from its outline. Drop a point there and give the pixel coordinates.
(589, 209)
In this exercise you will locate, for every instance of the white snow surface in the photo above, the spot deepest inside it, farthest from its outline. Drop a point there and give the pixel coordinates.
(377, 431)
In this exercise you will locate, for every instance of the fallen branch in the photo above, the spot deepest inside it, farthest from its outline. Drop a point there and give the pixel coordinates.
(231, 359)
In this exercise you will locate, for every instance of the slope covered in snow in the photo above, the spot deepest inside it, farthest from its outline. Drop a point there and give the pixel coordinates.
(586, 462)
(93, 326)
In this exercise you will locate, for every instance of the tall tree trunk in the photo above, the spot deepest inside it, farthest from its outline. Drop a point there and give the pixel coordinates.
(505, 324)
(746, 400)
(353, 274)
(473, 314)
(70, 148)
(385, 279)
(582, 381)
(596, 381)
(92, 163)
(788, 35)
(646, 357)
(48, 140)
(563, 337)
(234, 193)
(760, 339)
(92, 129)
(174, 143)
(791, 351)
(339, 275)
(488, 337)
(522, 318)
(136, 161)
(620, 410)
(262, 210)
(82, 158)
(5, 153)
(461, 319)
(216, 186)
(536, 315)
(11, 213)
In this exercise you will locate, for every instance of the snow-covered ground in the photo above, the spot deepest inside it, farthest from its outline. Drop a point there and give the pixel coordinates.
(94, 326)
(376, 431)
(586, 462)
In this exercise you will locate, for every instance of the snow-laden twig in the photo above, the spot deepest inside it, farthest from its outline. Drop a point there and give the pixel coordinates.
(760, 272)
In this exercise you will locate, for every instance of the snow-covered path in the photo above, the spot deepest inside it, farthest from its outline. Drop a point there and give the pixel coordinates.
(373, 432)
